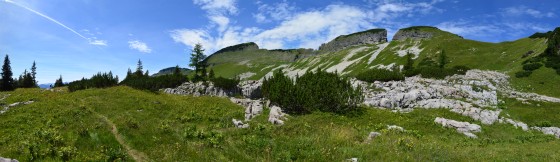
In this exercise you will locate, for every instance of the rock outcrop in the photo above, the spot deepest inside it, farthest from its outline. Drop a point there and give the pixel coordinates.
(549, 130)
(200, 89)
(516, 124)
(251, 89)
(365, 37)
(276, 116)
(7, 160)
(8, 107)
(462, 127)
(413, 33)
(252, 107)
(239, 123)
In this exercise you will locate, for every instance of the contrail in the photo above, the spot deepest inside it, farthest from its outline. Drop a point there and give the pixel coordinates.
(47, 17)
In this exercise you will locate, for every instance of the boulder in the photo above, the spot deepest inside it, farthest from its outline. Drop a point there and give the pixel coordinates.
(462, 127)
(239, 123)
(7, 160)
(276, 116)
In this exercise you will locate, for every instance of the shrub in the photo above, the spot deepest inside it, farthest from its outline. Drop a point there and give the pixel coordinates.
(460, 69)
(522, 74)
(532, 66)
(225, 83)
(383, 75)
(320, 91)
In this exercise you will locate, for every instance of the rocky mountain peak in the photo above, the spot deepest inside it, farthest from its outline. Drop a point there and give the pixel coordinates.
(365, 37)
(415, 32)
(239, 47)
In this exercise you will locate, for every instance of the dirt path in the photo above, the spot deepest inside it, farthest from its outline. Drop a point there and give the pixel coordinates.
(136, 155)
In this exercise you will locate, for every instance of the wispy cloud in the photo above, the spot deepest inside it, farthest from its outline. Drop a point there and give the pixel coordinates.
(523, 10)
(92, 42)
(300, 29)
(98, 42)
(140, 46)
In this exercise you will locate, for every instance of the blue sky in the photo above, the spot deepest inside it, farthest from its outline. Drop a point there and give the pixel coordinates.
(78, 38)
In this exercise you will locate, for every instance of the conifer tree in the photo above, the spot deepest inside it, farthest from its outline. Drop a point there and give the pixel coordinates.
(58, 82)
(7, 82)
(139, 67)
(177, 70)
(147, 73)
(33, 73)
(442, 59)
(197, 61)
(408, 66)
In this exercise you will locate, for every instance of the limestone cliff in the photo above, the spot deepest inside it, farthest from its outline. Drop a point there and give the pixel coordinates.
(365, 37)
(416, 32)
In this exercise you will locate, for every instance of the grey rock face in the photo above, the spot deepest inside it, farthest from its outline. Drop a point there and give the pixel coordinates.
(251, 89)
(252, 107)
(516, 124)
(7, 160)
(462, 127)
(341, 42)
(200, 89)
(463, 94)
(413, 34)
(549, 130)
(6, 108)
(276, 116)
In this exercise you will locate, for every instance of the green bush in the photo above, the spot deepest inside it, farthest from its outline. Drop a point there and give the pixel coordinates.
(225, 83)
(320, 91)
(532, 66)
(522, 74)
(99, 80)
(383, 75)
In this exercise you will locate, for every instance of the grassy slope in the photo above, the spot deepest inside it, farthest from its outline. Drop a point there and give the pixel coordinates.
(164, 120)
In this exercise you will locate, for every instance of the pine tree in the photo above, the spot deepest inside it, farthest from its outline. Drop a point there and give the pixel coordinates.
(197, 61)
(147, 73)
(442, 59)
(58, 82)
(33, 74)
(7, 82)
(408, 66)
(177, 71)
(139, 67)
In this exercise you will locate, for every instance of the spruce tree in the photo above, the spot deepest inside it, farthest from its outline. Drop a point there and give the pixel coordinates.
(177, 70)
(7, 82)
(33, 73)
(58, 82)
(139, 67)
(147, 73)
(197, 61)
(408, 66)
(442, 59)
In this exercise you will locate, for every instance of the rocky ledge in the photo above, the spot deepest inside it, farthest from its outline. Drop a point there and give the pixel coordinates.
(413, 33)
(365, 37)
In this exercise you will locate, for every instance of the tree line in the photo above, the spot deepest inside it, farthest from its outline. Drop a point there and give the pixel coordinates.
(25, 80)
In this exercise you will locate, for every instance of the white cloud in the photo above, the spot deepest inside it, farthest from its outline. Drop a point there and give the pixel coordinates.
(275, 12)
(469, 29)
(98, 42)
(218, 5)
(523, 10)
(140, 46)
(222, 21)
(303, 29)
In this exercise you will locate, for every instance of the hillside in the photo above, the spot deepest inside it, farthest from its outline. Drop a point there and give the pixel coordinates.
(119, 122)
(425, 43)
